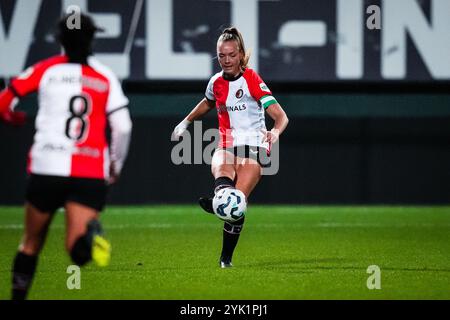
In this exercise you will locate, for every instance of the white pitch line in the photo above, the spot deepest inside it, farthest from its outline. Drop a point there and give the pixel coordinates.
(11, 226)
(257, 225)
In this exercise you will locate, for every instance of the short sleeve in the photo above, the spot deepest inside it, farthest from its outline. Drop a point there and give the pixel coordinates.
(28, 81)
(256, 85)
(258, 89)
(117, 98)
(209, 93)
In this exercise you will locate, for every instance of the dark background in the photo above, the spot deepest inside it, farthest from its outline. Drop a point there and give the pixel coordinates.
(277, 62)
(330, 154)
(367, 141)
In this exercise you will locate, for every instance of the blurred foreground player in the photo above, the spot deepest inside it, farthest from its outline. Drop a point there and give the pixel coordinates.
(70, 164)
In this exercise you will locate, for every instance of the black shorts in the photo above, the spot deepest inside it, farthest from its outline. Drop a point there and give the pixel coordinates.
(261, 155)
(49, 193)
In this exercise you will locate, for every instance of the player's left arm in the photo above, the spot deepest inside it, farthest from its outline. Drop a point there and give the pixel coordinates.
(276, 112)
(261, 93)
(8, 100)
(25, 83)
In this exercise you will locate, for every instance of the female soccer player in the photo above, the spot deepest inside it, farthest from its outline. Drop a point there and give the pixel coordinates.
(240, 97)
(69, 163)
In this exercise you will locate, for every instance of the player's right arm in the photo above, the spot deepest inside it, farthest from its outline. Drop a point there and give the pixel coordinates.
(119, 121)
(121, 127)
(202, 108)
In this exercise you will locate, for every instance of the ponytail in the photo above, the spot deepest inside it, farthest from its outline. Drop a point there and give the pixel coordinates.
(233, 33)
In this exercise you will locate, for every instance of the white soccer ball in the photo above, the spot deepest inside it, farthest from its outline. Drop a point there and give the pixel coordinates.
(229, 204)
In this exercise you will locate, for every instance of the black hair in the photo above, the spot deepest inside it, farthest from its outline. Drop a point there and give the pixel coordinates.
(76, 39)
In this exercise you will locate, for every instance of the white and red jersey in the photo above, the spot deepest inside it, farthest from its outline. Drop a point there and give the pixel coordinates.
(240, 107)
(74, 101)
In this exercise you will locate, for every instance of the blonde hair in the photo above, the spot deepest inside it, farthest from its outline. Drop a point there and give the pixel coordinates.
(233, 33)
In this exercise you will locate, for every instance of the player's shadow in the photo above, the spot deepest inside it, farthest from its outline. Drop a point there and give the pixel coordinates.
(299, 265)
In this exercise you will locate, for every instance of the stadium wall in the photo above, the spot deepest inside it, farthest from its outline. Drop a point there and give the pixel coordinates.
(338, 149)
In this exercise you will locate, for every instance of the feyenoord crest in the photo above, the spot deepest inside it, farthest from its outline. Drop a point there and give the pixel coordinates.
(239, 93)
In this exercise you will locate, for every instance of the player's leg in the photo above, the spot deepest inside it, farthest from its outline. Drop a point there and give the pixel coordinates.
(223, 170)
(43, 196)
(84, 237)
(248, 173)
(84, 240)
(24, 266)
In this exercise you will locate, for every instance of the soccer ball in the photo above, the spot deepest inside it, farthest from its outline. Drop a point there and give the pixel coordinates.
(229, 204)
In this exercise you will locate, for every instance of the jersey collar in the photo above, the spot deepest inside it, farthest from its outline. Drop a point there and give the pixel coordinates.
(230, 78)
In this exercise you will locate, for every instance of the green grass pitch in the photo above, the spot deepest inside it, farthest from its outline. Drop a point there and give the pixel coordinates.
(285, 252)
